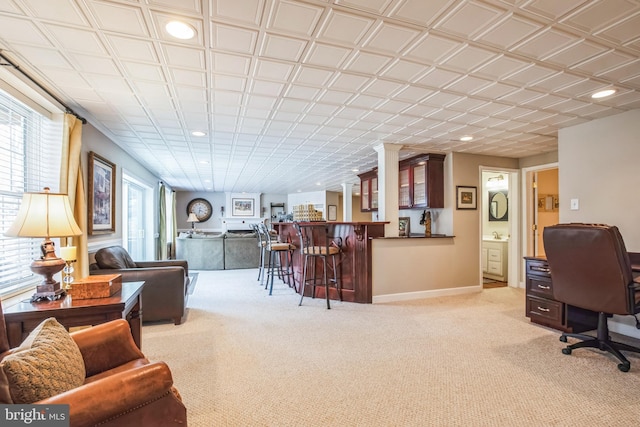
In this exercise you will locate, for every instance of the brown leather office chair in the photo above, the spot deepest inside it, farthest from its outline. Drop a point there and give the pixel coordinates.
(590, 269)
(117, 386)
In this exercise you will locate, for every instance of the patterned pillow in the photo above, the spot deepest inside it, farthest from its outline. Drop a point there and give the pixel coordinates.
(47, 363)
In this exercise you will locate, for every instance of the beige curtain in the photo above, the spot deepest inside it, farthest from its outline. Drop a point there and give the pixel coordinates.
(72, 182)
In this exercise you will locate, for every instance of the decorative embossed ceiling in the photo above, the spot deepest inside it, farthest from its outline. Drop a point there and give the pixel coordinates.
(294, 95)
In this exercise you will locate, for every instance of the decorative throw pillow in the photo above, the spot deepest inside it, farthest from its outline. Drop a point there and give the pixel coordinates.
(47, 363)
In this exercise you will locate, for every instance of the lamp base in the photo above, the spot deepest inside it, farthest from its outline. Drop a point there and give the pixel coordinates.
(49, 289)
(48, 295)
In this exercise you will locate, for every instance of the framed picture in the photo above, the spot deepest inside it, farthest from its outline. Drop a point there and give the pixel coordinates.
(404, 226)
(242, 207)
(102, 195)
(466, 197)
(332, 215)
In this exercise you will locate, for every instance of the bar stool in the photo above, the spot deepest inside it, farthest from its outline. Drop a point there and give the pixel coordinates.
(276, 250)
(316, 244)
(262, 246)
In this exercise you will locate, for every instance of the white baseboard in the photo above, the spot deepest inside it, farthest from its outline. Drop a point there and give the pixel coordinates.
(406, 296)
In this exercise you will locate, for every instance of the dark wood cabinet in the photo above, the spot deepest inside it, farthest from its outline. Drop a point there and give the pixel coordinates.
(421, 181)
(369, 191)
(543, 309)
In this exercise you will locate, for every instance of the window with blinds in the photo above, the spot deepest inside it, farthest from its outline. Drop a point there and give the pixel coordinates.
(30, 155)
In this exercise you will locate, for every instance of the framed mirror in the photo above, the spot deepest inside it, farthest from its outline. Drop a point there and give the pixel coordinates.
(498, 206)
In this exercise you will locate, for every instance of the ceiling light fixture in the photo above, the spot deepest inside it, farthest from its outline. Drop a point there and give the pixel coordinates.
(180, 30)
(466, 138)
(603, 93)
(198, 133)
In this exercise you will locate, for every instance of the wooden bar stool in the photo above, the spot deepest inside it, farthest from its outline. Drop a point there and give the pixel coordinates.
(276, 250)
(316, 244)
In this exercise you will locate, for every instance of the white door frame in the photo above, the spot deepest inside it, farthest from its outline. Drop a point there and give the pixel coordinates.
(514, 224)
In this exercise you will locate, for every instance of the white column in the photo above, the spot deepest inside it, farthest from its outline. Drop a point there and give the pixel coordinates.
(388, 181)
(347, 202)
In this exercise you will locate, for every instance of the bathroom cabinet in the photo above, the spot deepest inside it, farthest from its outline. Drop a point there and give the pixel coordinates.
(495, 260)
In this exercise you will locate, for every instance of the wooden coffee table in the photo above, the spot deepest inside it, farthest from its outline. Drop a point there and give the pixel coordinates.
(23, 317)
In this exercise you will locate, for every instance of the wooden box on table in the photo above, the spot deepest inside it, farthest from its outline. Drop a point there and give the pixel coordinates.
(98, 286)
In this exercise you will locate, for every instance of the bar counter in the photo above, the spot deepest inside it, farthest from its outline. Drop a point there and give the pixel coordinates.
(355, 261)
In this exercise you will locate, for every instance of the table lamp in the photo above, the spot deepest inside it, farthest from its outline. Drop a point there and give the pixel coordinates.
(45, 215)
(193, 219)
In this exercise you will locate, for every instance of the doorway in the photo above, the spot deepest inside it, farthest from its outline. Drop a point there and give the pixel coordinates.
(499, 220)
(541, 205)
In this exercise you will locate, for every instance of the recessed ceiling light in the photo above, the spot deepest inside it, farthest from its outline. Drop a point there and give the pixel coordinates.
(466, 138)
(198, 133)
(355, 170)
(180, 30)
(204, 162)
(603, 93)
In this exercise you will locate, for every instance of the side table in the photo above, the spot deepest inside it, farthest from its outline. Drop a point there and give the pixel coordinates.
(23, 317)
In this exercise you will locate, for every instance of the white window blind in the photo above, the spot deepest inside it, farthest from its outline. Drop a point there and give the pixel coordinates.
(30, 150)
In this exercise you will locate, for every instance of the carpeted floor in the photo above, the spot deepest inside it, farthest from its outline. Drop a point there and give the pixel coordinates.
(243, 358)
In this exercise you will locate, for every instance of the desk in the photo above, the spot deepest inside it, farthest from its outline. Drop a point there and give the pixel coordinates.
(23, 317)
(542, 308)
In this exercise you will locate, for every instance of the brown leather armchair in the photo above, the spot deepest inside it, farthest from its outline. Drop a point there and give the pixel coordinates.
(121, 388)
(164, 296)
(591, 269)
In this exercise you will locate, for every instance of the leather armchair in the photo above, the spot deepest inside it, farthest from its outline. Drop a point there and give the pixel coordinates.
(121, 388)
(591, 269)
(164, 296)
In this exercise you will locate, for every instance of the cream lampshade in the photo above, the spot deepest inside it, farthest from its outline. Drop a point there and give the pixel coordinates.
(193, 219)
(45, 215)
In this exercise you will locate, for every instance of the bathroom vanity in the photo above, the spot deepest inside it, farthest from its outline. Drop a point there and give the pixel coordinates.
(495, 259)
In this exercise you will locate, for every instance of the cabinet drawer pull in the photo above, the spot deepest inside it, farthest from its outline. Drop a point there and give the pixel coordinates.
(544, 287)
(546, 310)
(540, 269)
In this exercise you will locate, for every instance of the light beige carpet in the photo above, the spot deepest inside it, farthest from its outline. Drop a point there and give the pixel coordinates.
(244, 358)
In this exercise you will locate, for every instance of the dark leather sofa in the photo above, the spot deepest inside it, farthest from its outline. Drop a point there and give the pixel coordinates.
(164, 296)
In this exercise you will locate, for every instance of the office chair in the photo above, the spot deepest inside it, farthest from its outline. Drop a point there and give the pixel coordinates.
(590, 269)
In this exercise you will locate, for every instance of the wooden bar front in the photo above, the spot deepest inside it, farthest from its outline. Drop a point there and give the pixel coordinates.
(355, 260)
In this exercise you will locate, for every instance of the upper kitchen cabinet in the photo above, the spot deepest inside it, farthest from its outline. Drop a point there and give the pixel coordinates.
(422, 182)
(369, 191)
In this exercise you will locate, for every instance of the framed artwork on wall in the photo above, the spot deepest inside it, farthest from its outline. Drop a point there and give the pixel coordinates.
(102, 195)
(242, 207)
(332, 215)
(404, 226)
(466, 197)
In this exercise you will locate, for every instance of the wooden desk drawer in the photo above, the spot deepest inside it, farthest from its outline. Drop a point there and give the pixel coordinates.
(544, 310)
(538, 268)
(540, 286)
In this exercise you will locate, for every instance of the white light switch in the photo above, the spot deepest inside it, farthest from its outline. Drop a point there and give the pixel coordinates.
(575, 204)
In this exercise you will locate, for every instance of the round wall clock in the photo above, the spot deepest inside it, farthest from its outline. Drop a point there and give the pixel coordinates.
(201, 207)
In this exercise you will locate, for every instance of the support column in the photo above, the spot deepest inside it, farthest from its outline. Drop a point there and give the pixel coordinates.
(388, 181)
(347, 202)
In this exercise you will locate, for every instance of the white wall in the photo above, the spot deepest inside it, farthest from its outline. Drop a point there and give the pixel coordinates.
(96, 141)
(599, 167)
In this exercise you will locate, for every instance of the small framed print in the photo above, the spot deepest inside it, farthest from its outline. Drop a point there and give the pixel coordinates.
(242, 207)
(466, 197)
(333, 213)
(404, 226)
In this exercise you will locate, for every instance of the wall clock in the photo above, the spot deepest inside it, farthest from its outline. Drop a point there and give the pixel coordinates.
(201, 207)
